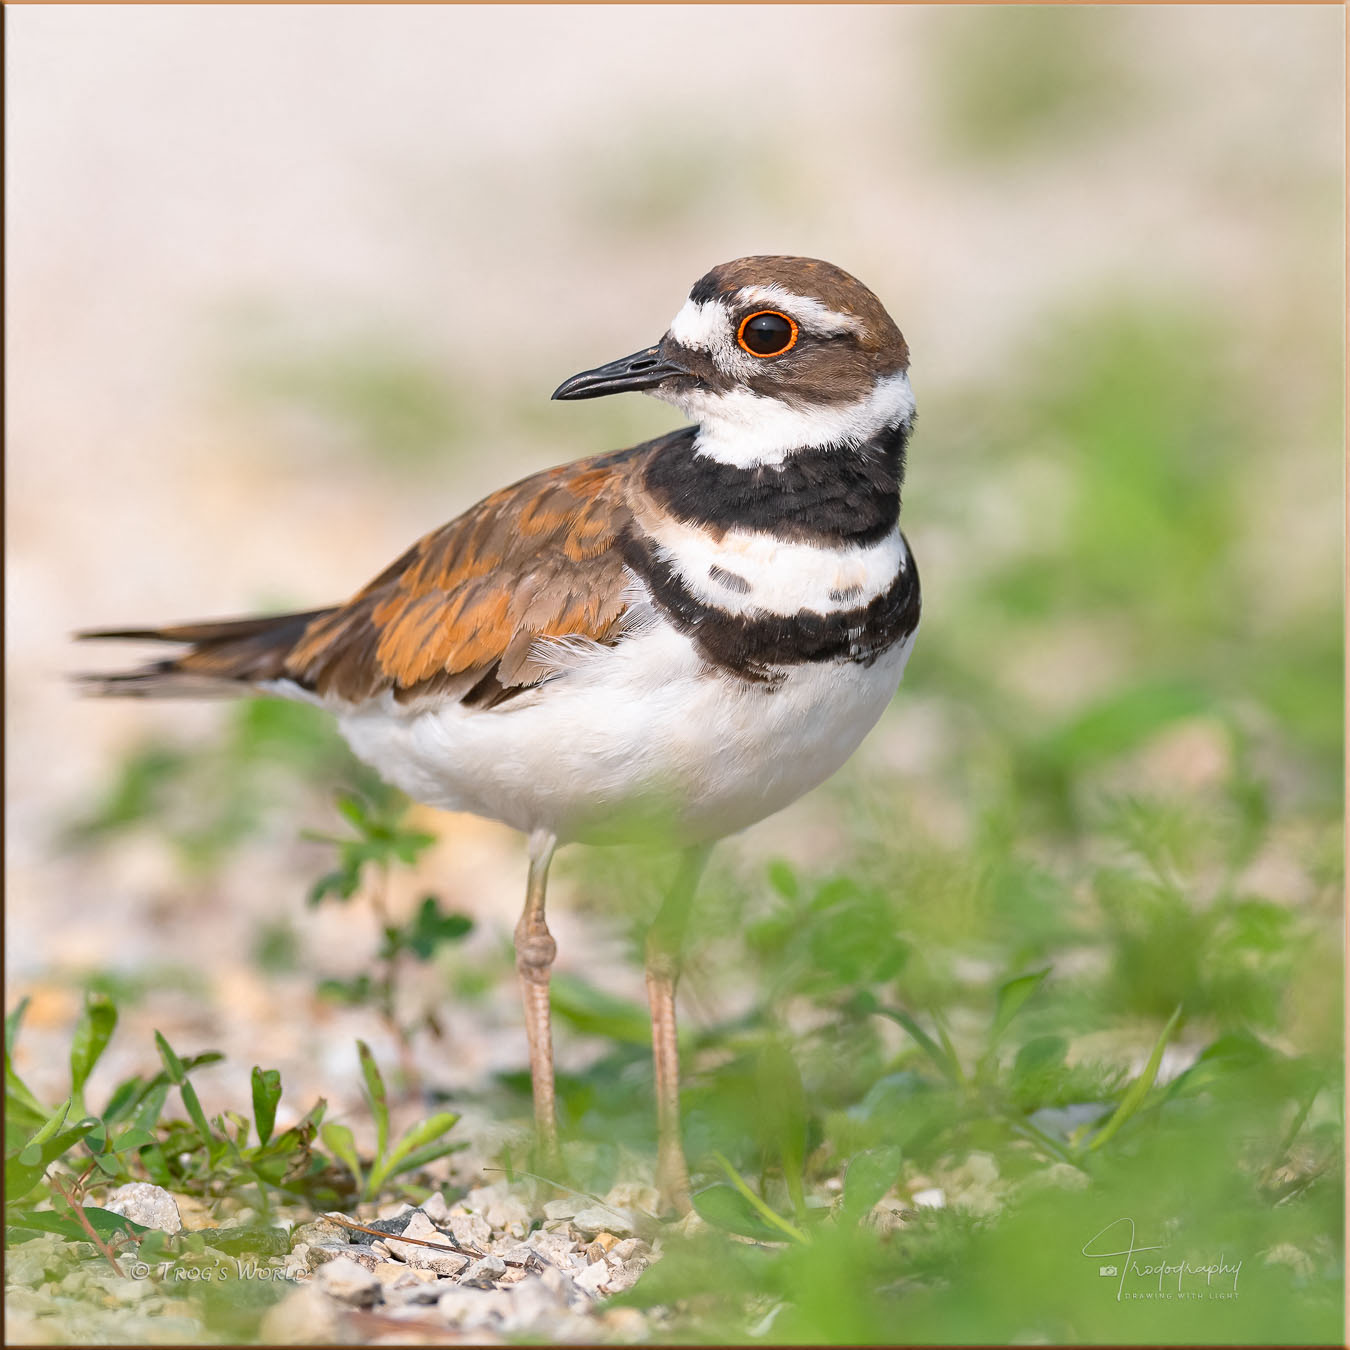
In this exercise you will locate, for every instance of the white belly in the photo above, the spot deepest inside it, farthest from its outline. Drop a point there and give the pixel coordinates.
(635, 735)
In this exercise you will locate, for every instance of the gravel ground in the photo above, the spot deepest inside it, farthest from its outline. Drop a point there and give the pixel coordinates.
(499, 1264)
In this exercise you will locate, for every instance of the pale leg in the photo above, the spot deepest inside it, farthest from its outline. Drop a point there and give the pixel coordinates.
(535, 950)
(664, 945)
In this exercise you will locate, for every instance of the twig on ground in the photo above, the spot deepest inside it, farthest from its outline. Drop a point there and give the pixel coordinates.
(83, 1220)
(416, 1242)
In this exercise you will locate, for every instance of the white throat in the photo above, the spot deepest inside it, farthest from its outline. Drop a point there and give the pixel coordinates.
(747, 429)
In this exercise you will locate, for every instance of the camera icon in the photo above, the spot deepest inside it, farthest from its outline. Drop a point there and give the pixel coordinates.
(1108, 1270)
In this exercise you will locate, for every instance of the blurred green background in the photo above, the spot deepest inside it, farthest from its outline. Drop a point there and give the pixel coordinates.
(289, 287)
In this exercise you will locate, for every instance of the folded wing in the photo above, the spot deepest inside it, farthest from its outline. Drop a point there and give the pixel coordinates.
(460, 615)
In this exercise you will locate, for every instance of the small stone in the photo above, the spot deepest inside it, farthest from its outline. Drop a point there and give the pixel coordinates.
(593, 1278)
(316, 1253)
(349, 1282)
(146, 1204)
(30, 1262)
(562, 1209)
(596, 1220)
(625, 1274)
(485, 1272)
(932, 1198)
(473, 1308)
(428, 1258)
(394, 1274)
(305, 1317)
(415, 1294)
(366, 1257)
(533, 1308)
(123, 1291)
(470, 1230)
(321, 1231)
(630, 1249)
(395, 1209)
(557, 1282)
(508, 1214)
(435, 1208)
(554, 1247)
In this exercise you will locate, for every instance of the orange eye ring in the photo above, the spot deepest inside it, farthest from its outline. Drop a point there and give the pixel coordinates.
(777, 351)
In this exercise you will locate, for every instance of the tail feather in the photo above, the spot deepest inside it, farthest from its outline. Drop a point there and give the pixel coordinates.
(225, 657)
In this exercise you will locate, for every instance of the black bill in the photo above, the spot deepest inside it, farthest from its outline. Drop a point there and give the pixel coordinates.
(642, 370)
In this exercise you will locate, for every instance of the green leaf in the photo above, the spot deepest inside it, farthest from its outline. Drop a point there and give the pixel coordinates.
(596, 1013)
(940, 1057)
(130, 1140)
(417, 1137)
(24, 1171)
(173, 1066)
(266, 1095)
(92, 1034)
(1012, 997)
(194, 1110)
(770, 1216)
(123, 1099)
(430, 928)
(1039, 1053)
(1138, 1090)
(342, 884)
(103, 1221)
(341, 1143)
(725, 1207)
(422, 1156)
(12, 1023)
(152, 1106)
(870, 1175)
(376, 1096)
(178, 1075)
(32, 1146)
(354, 810)
(22, 1109)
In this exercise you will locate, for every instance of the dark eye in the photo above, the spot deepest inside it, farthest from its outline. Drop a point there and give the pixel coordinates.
(766, 333)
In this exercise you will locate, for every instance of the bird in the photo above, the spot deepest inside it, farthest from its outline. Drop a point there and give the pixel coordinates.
(688, 634)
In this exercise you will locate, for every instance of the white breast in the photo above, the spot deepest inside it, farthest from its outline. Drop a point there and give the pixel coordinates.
(749, 571)
(641, 730)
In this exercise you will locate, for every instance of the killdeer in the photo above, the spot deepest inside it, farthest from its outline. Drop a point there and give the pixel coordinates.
(692, 632)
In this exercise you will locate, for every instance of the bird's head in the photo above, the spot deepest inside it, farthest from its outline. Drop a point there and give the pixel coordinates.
(771, 355)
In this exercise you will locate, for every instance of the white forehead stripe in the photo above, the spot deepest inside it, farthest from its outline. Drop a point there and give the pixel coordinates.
(704, 327)
(746, 429)
(748, 572)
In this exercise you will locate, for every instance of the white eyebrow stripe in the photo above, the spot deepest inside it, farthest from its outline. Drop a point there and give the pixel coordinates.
(781, 577)
(810, 313)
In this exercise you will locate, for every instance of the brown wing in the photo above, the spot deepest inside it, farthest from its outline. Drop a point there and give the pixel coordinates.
(461, 611)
